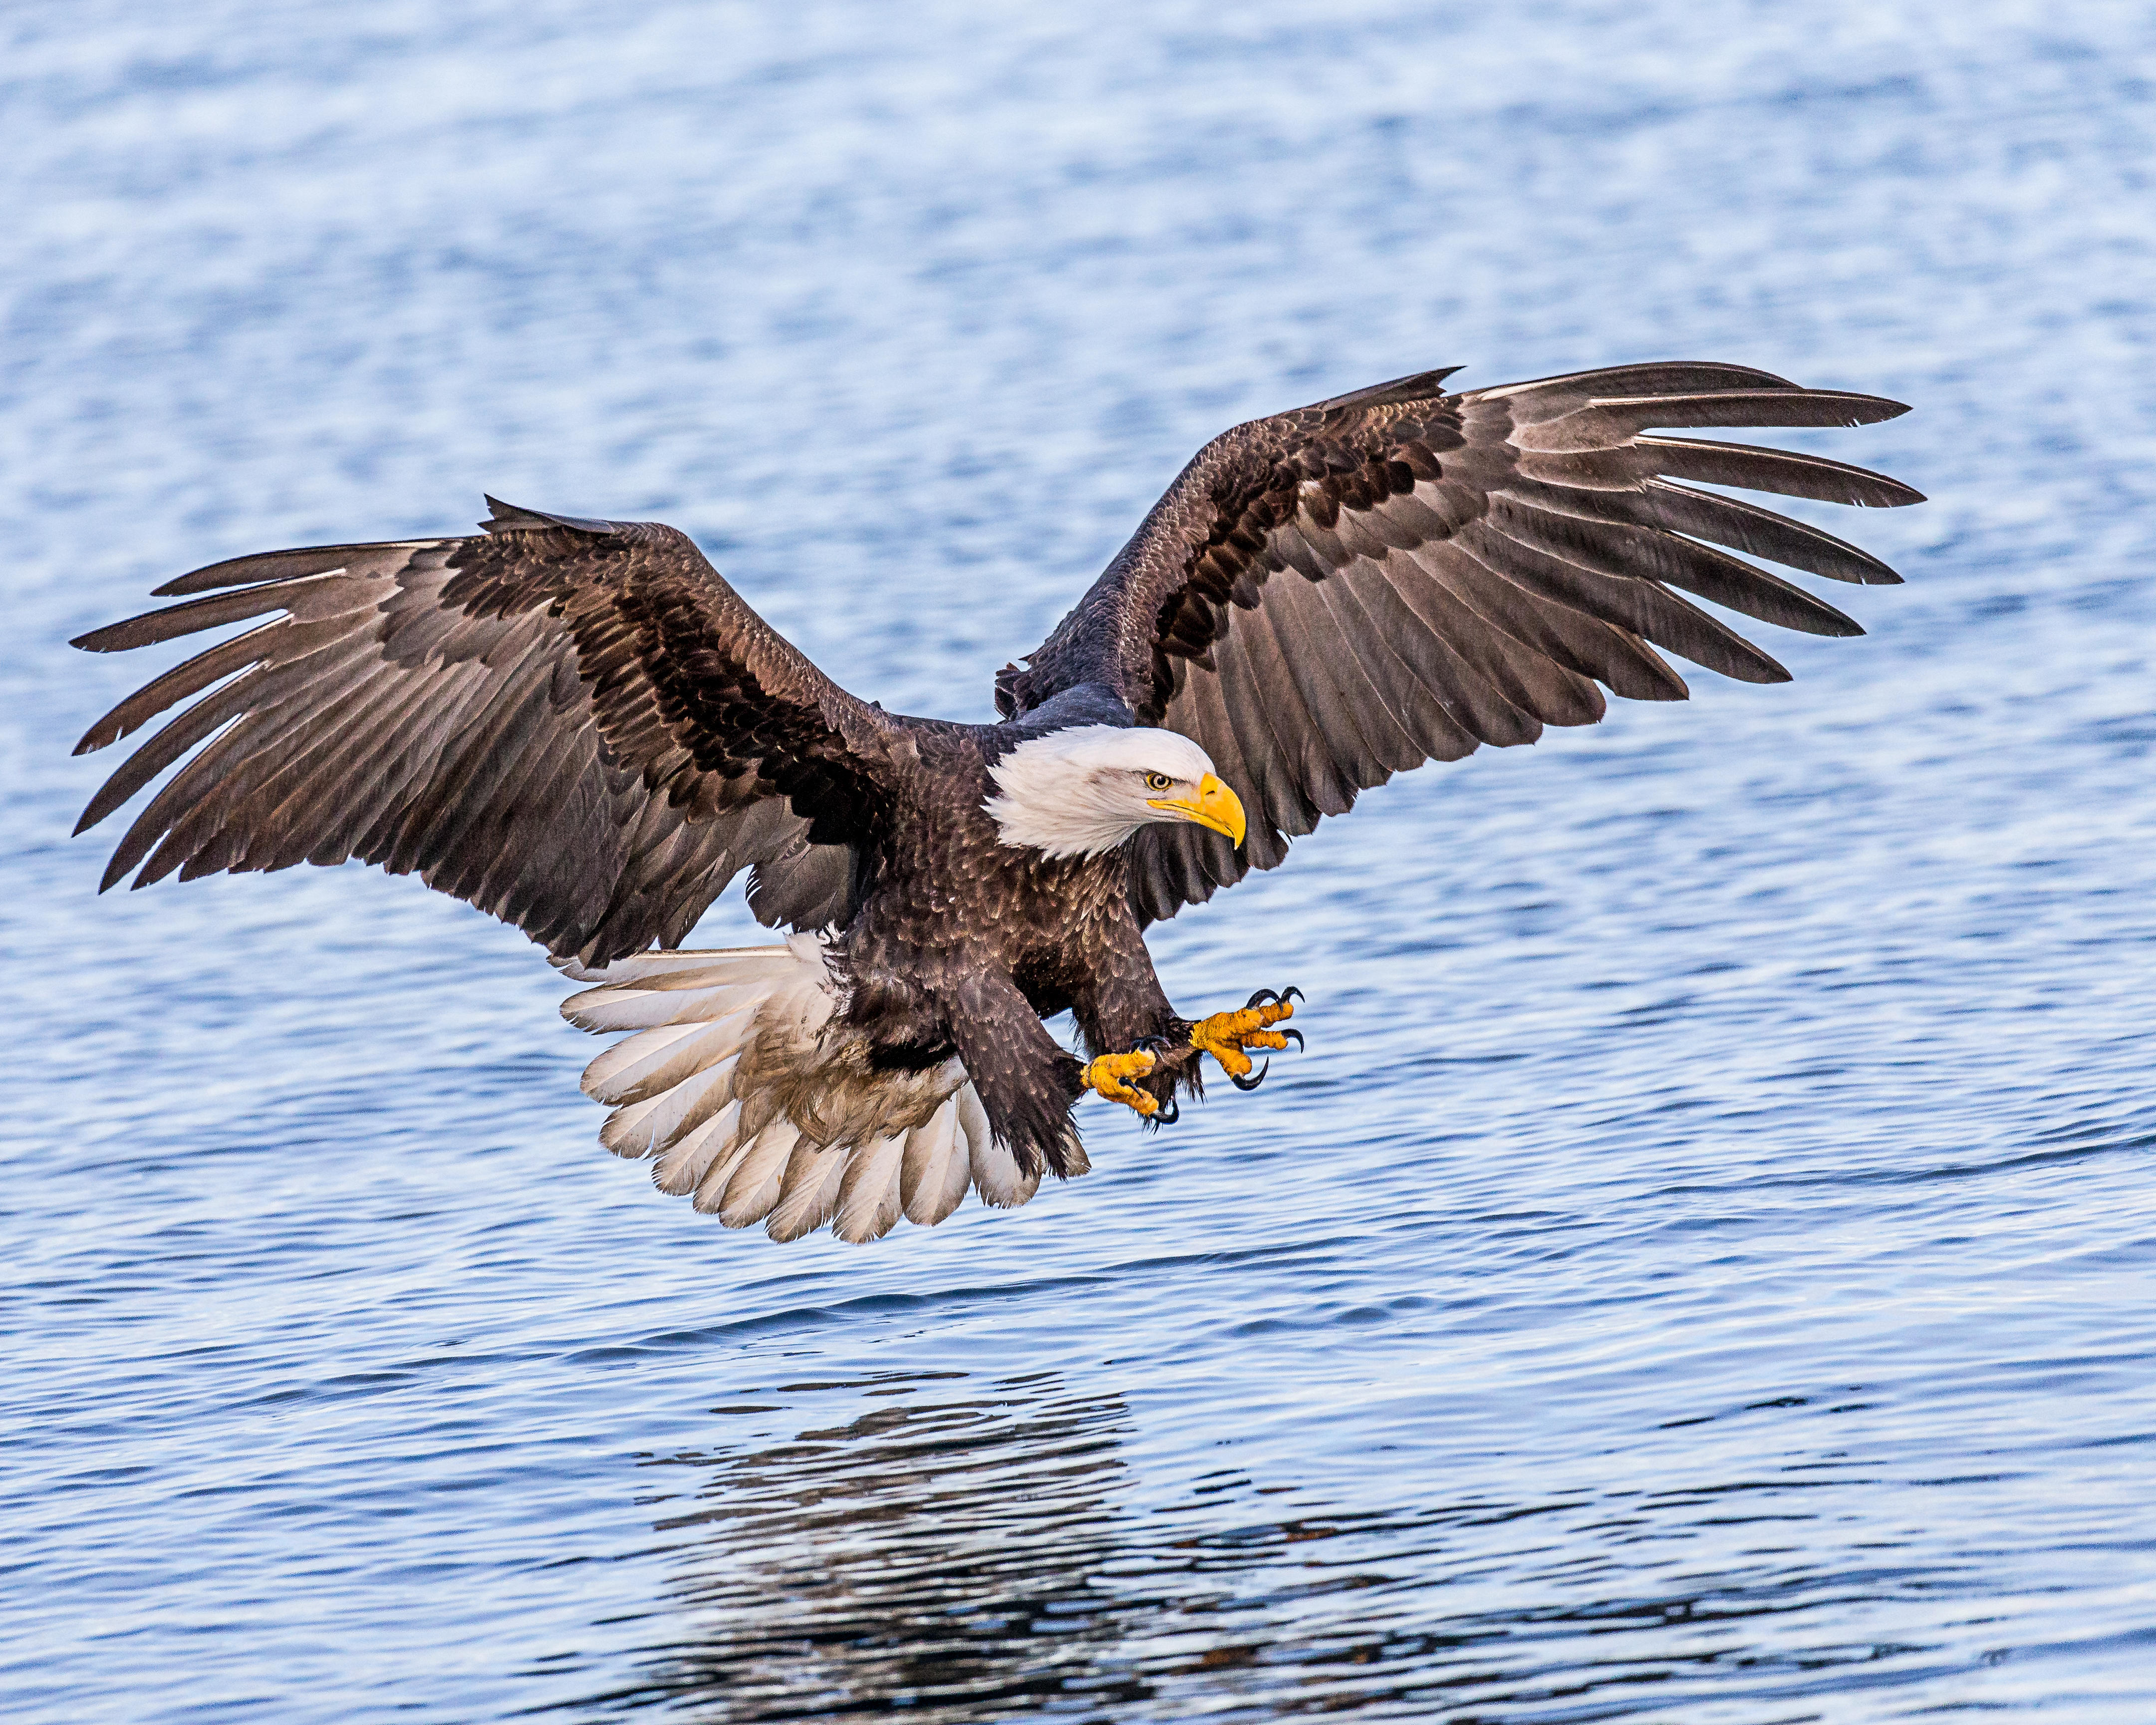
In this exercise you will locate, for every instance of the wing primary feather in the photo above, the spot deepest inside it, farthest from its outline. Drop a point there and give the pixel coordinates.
(1642, 607)
(1605, 420)
(1783, 471)
(1622, 550)
(1533, 682)
(279, 773)
(188, 809)
(1726, 521)
(286, 565)
(1656, 378)
(368, 768)
(234, 779)
(196, 615)
(1583, 643)
(235, 700)
(1745, 527)
(360, 759)
(190, 677)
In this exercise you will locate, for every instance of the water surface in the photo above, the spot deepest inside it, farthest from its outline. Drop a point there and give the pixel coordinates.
(1699, 1272)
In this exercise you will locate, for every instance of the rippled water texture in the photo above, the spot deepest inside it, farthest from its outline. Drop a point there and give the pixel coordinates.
(1700, 1270)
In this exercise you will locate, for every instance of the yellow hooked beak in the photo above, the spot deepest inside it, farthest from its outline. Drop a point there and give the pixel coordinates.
(1215, 806)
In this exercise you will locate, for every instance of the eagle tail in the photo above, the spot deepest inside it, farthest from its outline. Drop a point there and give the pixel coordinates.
(736, 1081)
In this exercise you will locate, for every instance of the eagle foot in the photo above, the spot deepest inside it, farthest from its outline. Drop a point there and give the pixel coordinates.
(1225, 1034)
(1107, 1075)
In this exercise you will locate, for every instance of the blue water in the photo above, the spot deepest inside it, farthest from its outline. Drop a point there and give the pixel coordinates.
(1701, 1270)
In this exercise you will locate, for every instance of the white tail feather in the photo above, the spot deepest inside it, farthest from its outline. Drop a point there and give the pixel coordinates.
(868, 1195)
(809, 1197)
(681, 1169)
(712, 1189)
(937, 1169)
(756, 1177)
(654, 1060)
(722, 1039)
(642, 1008)
(647, 1128)
(996, 1175)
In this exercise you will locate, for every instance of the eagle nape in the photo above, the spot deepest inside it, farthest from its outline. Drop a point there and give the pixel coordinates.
(580, 727)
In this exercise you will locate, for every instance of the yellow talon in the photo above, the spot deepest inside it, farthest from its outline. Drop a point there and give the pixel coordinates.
(1105, 1077)
(1225, 1034)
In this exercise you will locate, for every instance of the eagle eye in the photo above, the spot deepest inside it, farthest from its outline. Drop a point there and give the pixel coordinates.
(1158, 781)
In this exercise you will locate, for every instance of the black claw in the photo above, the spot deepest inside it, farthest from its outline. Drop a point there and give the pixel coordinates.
(1263, 997)
(1289, 992)
(1297, 1034)
(1168, 1113)
(1253, 1081)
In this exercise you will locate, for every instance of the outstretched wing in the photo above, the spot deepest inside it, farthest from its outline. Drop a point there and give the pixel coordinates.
(1332, 596)
(577, 726)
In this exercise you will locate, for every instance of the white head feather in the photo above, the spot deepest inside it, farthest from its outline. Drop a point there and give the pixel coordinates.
(1080, 792)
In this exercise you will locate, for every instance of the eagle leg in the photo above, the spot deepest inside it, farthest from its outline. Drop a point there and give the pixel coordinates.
(1108, 1076)
(1224, 1035)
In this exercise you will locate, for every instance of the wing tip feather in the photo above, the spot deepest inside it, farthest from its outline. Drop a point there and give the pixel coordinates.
(107, 639)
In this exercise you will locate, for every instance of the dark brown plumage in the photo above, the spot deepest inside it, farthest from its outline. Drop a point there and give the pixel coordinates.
(1471, 567)
(580, 728)
(574, 726)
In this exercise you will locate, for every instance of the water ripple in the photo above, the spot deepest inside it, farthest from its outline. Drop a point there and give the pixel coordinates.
(1700, 1271)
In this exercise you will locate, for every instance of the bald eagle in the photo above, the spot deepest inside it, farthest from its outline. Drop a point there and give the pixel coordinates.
(578, 726)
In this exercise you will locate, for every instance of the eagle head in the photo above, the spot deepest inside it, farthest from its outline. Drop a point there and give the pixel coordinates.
(1084, 790)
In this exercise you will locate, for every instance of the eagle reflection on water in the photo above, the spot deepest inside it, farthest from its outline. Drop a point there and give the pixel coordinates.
(944, 1549)
(961, 1552)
